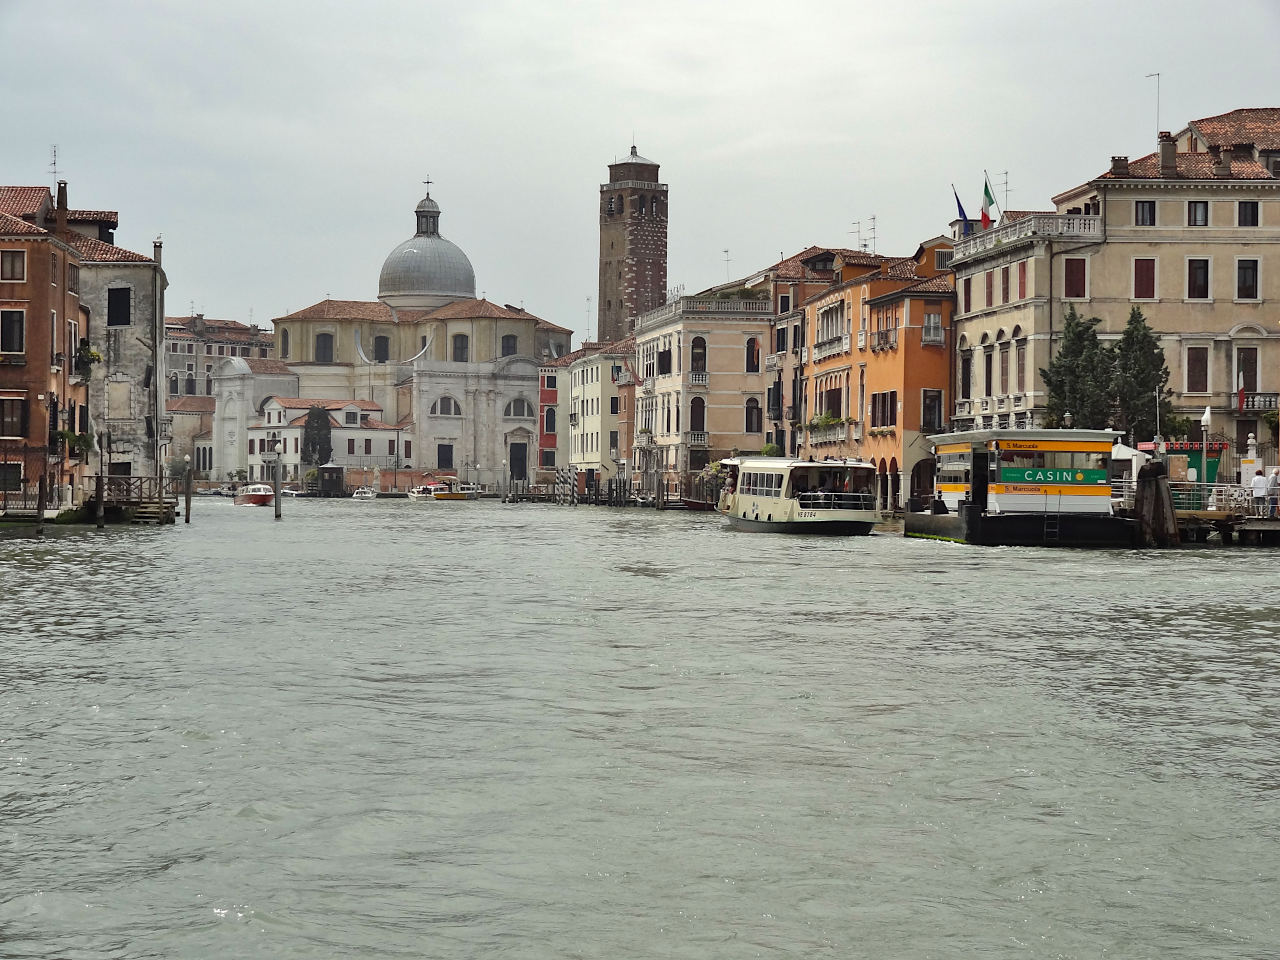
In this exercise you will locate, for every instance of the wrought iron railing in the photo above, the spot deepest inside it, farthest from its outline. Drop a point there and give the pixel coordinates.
(836, 501)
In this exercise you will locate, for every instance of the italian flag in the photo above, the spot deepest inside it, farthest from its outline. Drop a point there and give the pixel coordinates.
(987, 201)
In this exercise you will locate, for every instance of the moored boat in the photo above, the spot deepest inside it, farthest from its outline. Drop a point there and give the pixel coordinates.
(781, 495)
(254, 495)
(1023, 488)
(450, 488)
(364, 493)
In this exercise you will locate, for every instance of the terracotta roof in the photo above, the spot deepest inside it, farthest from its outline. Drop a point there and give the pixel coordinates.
(1010, 216)
(189, 404)
(263, 365)
(343, 310)
(555, 328)
(95, 250)
(476, 309)
(16, 225)
(1191, 166)
(1256, 126)
(23, 201)
(94, 216)
(567, 358)
(304, 403)
(936, 284)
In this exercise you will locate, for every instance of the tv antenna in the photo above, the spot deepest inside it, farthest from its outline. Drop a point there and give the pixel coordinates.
(1157, 76)
(727, 261)
(53, 161)
(1005, 186)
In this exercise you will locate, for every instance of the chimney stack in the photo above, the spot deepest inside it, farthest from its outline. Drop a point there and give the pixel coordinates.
(61, 228)
(156, 246)
(1168, 154)
(1119, 166)
(1222, 162)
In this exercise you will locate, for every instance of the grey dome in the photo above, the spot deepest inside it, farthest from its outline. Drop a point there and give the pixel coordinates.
(427, 267)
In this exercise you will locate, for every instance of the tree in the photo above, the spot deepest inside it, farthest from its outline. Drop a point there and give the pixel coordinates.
(1078, 379)
(1140, 375)
(317, 437)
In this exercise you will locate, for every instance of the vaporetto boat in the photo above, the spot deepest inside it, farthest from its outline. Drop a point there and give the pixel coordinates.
(781, 495)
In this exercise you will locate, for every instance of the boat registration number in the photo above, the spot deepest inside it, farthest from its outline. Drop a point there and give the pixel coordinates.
(808, 514)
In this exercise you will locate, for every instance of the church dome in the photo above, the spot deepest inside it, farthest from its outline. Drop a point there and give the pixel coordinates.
(426, 270)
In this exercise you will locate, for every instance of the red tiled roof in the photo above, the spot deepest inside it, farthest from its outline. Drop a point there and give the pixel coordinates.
(95, 250)
(23, 201)
(94, 216)
(1256, 126)
(475, 310)
(343, 310)
(190, 404)
(1191, 166)
(929, 285)
(263, 365)
(304, 403)
(554, 328)
(16, 225)
(1010, 216)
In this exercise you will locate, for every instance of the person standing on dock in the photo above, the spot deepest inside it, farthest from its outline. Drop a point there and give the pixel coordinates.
(1273, 492)
(1259, 487)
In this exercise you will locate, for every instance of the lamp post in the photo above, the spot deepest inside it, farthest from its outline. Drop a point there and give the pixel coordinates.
(275, 477)
(1066, 419)
(502, 479)
(1204, 446)
(186, 482)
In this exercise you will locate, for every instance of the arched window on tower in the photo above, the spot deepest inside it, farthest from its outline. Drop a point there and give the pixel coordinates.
(640, 205)
(284, 344)
(653, 207)
(609, 207)
(381, 349)
(324, 348)
(509, 345)
(461, 348)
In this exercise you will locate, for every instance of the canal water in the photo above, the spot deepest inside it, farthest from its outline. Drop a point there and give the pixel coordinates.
(473, 730)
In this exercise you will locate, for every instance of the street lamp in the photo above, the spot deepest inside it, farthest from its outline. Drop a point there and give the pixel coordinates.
(276, 451)
(1066, 419)
(502, 478)
(186, 483)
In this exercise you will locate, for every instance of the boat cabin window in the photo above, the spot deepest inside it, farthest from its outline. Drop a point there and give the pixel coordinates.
(1053, 460)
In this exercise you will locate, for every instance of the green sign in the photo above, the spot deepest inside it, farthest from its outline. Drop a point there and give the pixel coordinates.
(1046, 475)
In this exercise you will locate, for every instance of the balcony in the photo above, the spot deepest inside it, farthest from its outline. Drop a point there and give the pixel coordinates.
(862, 339)
(804, 354)
(1087, 229)
(1002, 403)
(773, 361)
(573, 420)
(935, 336)
(697, 438)
(644, 439)
(687, 306)
(625, 378)
(697, 378)
(984, 405)
(791, 414)
(647, 387)
(836, 433)
(884, 340)
(1261, 402)
(775, 414)
(964, 408)
(1018, 401)
(830, 347)
(855, 430)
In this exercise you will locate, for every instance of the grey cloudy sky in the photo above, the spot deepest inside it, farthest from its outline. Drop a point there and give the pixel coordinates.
(279, 147)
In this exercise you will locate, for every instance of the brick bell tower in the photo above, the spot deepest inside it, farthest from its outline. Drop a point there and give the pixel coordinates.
(633, 246)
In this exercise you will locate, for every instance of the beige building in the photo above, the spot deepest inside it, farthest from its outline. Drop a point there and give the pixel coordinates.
(593, 402)
(1190, 234)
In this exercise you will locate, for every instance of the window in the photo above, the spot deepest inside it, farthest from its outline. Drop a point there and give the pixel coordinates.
(444, 456)
(351, 447)
(784, 303)
(549, 381)
(13, 418)
(613, 405)
(1004, 368)
(251, 444)
(1247, 369)
(942, 259)
(549, 421)
(968, 294)
(986, 373)
(324, 348)
(1247, 213)
(446, 407)
(991, 287)
(13, 266)
(461, 348)
(753, 357)
(1246, 279)
(208, 386)
(509, 345)
(1197, 213)
(1021, 365)
(547, 458)
(1074, 284)
(1144, 278)
(189, 385)
(1197, 370)
(780, 340)
(391, 447)
(173, 385)
(222, 351)
(284, 345)
(1144, 213)
(351, 418)
(755, 422)
(932, 332)
(664, 362)
(519, 407)
(368, 446)
(698, 355)
(966, 376)
(1022, 280)
(381, 349)
(931, 411)
(1197, 278)
(119, 305)
(408, 449)
(1004, 284)
(13, 325)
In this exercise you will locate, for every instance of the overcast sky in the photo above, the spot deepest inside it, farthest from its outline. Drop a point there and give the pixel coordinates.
(279, 147)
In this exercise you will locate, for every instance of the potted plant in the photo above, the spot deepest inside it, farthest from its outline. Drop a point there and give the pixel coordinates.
(78, 445)
(85, 358)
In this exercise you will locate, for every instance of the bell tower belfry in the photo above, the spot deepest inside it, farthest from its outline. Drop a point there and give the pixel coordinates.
(633, 246)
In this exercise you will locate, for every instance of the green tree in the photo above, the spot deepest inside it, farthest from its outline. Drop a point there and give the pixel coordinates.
(1140, 375)
(1078, 379)
(317, 437)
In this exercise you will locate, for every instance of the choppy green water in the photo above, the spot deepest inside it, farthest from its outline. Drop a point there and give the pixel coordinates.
(475, 730)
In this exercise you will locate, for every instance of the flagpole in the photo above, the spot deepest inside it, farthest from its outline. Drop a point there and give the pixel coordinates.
(992, 189)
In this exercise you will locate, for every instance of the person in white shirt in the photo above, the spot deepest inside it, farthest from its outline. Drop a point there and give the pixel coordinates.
(1259, 488)
(1273, 492)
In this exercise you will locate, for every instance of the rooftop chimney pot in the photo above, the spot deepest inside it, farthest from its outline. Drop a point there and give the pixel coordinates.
(1168, 155)
(1120, 166)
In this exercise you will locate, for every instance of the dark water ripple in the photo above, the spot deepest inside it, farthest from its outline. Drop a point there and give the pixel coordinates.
(469, 730)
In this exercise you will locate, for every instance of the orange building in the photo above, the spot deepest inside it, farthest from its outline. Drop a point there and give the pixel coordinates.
(878, 364)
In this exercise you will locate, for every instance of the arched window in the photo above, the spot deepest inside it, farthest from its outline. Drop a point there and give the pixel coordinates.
(173, 385)
(551, 421)
(284, 344)
(519, 407)
(698, 355)
(753, 356)
(640, 205)
(461, 348)
(208, 386)
(324, 348)
(698, 415)
(381, 349)
(508, 345)
(653, 207)
(754, 421)
(446, 407)
(609, 206)
(189, 387)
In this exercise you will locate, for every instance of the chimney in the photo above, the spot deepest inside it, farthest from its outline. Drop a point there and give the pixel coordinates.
(1168, 154)
(1119, 166)
(156, 246)
(61, 228)
(1222, 162)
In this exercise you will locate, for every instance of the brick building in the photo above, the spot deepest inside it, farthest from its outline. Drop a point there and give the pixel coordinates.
(633, 246)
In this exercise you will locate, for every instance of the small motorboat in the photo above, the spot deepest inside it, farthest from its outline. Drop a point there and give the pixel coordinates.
(254, 495)
(426, 491)
(450, 489)
(364, 493)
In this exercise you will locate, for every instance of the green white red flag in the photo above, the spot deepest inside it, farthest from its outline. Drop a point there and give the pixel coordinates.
(988, 200)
